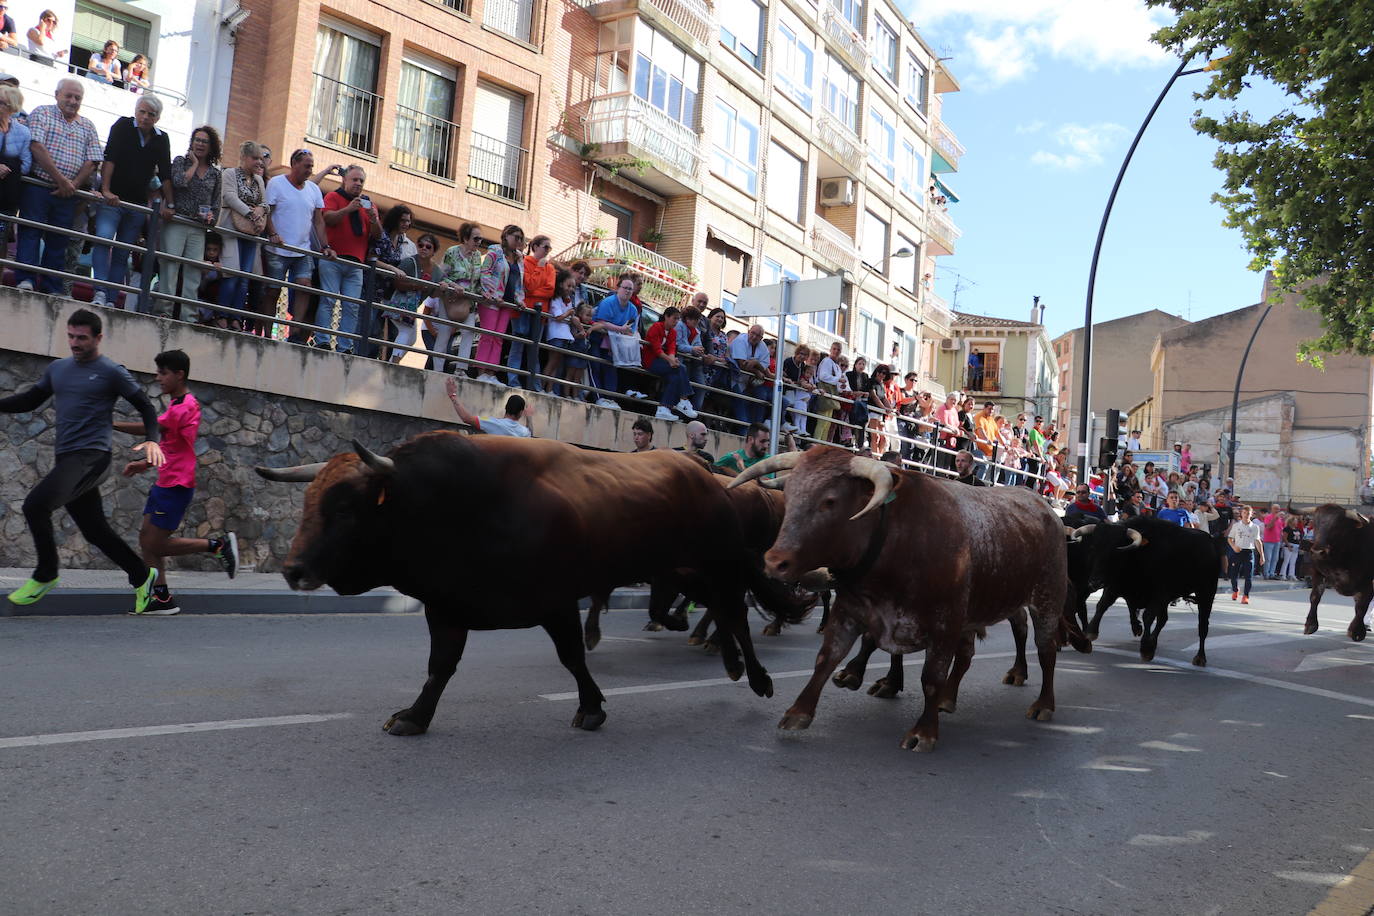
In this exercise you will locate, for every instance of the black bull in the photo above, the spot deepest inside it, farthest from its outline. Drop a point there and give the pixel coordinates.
(1342, 557)
(501, 533)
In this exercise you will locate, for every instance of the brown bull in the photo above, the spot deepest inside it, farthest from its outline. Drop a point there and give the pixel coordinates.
(1342, 557)
(492, 533)
(918, 563)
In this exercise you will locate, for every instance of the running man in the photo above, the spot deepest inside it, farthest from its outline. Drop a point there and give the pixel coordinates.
(176, 485)
(84, 387)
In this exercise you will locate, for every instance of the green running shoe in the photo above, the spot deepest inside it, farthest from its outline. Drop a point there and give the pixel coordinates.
(31, 591)
(143, 594)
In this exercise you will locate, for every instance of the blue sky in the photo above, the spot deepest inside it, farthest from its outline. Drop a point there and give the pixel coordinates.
(1052, 93)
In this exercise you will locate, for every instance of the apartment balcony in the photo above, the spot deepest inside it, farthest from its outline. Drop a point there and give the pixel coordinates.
(819, 339)
(666, 282)
(624, 130)
(424, 143)
(344, 116)
(843, 36)
(947, 148)
(985, 382)
(839, 144)
(691, 21)
(833, 246)
(941, 231)
(937, 316)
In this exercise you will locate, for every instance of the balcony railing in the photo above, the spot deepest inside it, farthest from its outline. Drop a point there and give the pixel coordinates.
(513, 17)
(842, 31)
(343, 115)
(978, 380)
(941, 229)
(666, 282)
(498, 168)
(841, 142)
(948, 146)
(694, 17)
(626, 118)
(831, 243)
(460, 6)
(937, 313)
(424, 143)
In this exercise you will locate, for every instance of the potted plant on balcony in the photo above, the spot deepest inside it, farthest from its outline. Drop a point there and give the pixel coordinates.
(652, 238)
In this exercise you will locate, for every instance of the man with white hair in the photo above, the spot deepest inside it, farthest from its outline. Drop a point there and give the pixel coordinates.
(750, 361)
(66, 152)
(135, 151)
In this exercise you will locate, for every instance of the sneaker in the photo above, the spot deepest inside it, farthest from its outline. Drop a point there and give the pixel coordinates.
(635, 393)
(607, 403)
(1245, 599)
(160, 607)
(143, 594)
(228, 554)
(98, 298)
(1235, 595)
(685, 408)
(663, 413)
(25, 284)
(31, 591)
(488, 378)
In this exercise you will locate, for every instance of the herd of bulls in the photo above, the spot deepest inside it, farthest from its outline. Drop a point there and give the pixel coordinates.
(915, 563)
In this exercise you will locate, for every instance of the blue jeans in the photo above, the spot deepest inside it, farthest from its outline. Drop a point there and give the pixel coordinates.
(233, 291)
(749, 412)
(342, 278)
(1271, 560)
(112, 264)
(42, 206)
(523, 325)
(675, 383)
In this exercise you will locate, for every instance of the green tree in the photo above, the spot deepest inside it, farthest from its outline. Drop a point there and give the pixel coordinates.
(1300, 185)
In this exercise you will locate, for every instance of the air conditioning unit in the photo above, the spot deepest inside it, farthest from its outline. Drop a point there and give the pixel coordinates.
(948, 344)
(837, 192)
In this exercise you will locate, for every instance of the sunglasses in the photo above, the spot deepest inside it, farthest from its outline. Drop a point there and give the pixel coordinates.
(301, 152)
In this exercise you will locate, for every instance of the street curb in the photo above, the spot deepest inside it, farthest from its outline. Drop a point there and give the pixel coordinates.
(88, 602)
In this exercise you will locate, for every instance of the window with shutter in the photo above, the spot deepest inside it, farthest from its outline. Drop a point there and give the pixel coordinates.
(497, 160)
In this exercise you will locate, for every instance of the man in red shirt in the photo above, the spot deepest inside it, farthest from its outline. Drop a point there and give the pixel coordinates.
(660, 358)
(176, 485)
(350, 221)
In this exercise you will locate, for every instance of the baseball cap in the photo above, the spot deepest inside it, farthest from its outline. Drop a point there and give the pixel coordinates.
(9, 78)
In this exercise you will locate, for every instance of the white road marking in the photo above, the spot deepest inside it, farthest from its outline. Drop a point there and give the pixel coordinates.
(1256, 638)
(1117, 764)
(1167, 746)
(1350, 655)
(1191, 838)
(1275, 775)
(1242, 676)
(183, 728)
(625, 639)
(1325, 879)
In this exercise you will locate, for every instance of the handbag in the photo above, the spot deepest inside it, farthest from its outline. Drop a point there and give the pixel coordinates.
(246, 224)
(625, 349)
(459, 309)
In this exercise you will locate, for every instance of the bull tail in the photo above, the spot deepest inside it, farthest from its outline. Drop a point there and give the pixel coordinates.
(1069, 631)
(780, 602)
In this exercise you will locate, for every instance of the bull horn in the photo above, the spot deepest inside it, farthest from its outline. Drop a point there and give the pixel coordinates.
(775, 483)
(1359, 520)
(783, 461)
(880, 474)
(301, 473)
(379, 463)
(1078, 534)
(1137, 540)
(1302, 510)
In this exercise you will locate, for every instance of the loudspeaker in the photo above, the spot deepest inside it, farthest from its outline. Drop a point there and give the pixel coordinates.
(1106, 451)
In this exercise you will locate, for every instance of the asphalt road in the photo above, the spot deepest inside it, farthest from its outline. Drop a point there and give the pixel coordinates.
(1242, 789)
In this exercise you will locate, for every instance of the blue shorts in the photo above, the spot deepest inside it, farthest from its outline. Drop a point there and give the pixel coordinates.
(166, 506)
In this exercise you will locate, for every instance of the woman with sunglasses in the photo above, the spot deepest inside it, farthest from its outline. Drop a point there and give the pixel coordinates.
(42, 44)
(463, 267)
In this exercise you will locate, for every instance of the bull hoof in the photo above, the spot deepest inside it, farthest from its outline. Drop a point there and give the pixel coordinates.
(402, 727)
(695, 640)
(653, 626)
(849, 680)
(1147, 651)
(589, 721)
(795, 721)
(1356, 631)
(1200, 660)
(1308, 629)
(591, 642)
(762, 686)
(883, 689)
(772, 629)
(820, 629)
(918, 743)
(734, 674)
(1015, 678)
(676, 623)
(711, 647)
(1136, 628)
(1040, 714)
(1091, 634)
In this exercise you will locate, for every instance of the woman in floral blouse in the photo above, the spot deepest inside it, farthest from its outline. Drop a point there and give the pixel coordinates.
(463, 266)
(196, 184)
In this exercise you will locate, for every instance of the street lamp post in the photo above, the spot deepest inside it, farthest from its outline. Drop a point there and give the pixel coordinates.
(1235, 395)
(1085, 400)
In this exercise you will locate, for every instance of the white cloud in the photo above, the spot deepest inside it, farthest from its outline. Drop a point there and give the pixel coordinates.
(1004, 39)
(1080, 146)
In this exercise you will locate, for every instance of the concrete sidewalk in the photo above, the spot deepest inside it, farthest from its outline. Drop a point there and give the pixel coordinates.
(85, 592)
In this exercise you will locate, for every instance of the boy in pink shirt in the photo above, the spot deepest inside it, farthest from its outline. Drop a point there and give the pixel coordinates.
(176, 485)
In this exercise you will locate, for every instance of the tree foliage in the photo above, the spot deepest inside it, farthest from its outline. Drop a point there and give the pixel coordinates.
(1300, 185)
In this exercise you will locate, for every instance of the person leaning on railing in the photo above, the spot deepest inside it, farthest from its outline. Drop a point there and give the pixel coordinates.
(500, 283)
(539, 278)
(243, 199)
(297, 218)
(104, 64)
(135, 152)
(16, 156)
(66, 151)
(463, 267)
(350, 223)
(196, 191)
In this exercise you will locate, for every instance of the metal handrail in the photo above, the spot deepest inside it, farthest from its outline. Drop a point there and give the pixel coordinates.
(356, 129)
(490, 169)
(424, 142)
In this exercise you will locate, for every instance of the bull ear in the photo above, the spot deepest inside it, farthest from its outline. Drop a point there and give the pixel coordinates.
(303, 473)
(380, 464)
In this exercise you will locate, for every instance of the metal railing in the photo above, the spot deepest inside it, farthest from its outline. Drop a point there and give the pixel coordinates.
(666, 282)
(460, 6)
(834, 245)
(979, 380)
(843, 33)
(694, 17)
(941, 228)
(424, 143)
(948, 146)
(513, 17)
(497, 168)
(840, 141)
(167, 94)
(343, 115)
(624, 117)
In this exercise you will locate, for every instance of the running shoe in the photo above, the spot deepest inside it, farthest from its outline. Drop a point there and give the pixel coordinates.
(228, 554)
(1235, 595)
(31, 591)
(162, 607)
(143, 594)
(1245, 599)
(636, 393)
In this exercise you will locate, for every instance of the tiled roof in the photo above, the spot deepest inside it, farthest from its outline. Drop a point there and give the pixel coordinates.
(987, 321)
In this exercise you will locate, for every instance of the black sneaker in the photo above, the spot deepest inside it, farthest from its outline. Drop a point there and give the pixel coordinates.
(228, 554)
(159, 606)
